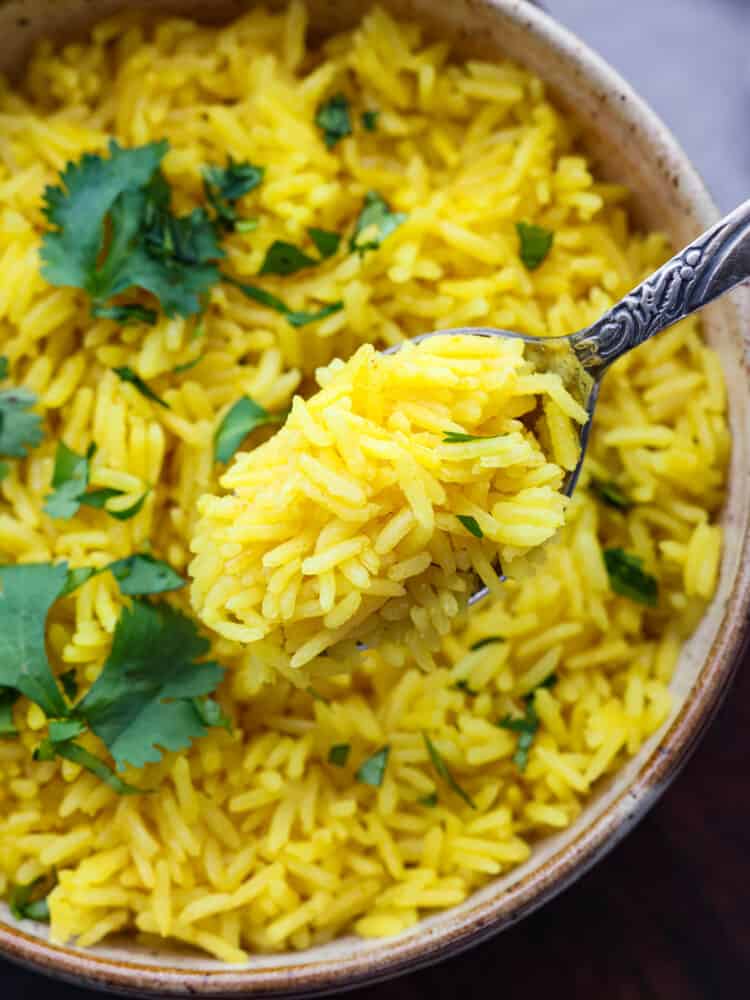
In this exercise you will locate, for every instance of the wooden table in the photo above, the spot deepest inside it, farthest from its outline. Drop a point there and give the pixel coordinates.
(665, 917)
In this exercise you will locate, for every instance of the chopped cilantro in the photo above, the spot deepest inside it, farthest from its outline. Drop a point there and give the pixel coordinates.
(75, 579)
(488, 640)
(245, 416)
(143, 700)
(29, 902)
(142, 574)
(114, 232)
(128, 375)
(187, 365)
(211, 714)
(526, 727)
(471, 524)
(76, 754)
(28, 592)
(339, 754)
(430, 801)
(370, 120)
(457, 437)
(285, 258)
(296, 318)
(4, 470)
(20, 429)
(372, 770)
(326, 242)
(70, 479)
(120, 515)
(224, 186)
(375, 222)
(628, 578)
(332, 117)
(443, 772)
(3, 367)
(534, 243)
(62, 730)
(610, 493)
(8, 698)
(246, 225)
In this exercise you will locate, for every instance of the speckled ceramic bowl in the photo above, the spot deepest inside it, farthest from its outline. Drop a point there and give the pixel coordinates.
(630, 144)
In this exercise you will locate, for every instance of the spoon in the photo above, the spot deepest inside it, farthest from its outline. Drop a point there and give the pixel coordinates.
(713, 264)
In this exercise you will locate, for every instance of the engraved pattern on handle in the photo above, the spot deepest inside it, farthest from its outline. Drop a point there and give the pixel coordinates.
(716, 262)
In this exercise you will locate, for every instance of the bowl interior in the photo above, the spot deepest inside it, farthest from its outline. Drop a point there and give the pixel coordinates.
(629, 144)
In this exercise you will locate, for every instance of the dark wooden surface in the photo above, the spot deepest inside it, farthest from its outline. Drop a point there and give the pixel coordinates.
(665, 917)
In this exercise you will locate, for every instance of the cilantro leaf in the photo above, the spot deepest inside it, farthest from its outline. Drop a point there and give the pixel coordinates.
(534, 243)
(375, 222)
(488, 640)
(610, 493)
(29, 902)
(3, 367)
(285, 258)
(8, 698)
(245, 416)
(76, 754)
(370, 120)
(142, 574)
(430, 801)
(265, 298)
(326, 242)
(28, 592)
(188, 365)
(372, 770)
(443, 771)
(303, 318)
(20, 430)
(471, 524)
(70, 479)
(224, 186)
(628, 578)
(458, 437)
(338, 755)
(143, 699)
(526, 727)
(128, 375)
(211, 714)
(4, 470)
(332, 117)
(62, 730)
(98, 499)
(114, 232)
(69, 682)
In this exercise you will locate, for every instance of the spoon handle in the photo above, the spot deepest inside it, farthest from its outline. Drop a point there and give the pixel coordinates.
(707, 268)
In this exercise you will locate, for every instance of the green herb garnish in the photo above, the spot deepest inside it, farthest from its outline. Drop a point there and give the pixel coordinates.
(285, 258)
(114, 233)
(296, 318)
(8, 698)
(69, 682)
(375, 223)
(332, 117)
(610, 493)
(326, 242)
(458, 437)
(142, 574)
(212, 714)
(488, 640)
(372, 771)
(526, 727)
(29, 902)
(535, 243)
(128, 375)
(628, 578)
(188, 365)
(430, 800)
(339, 754)
(70, 480)
(20, 428)
(370, 120)
(471, 524)
(244, 417)
(224, 186)
(76, 754)
(443, 771)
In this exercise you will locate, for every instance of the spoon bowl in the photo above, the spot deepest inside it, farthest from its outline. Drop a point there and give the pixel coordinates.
(713, 264)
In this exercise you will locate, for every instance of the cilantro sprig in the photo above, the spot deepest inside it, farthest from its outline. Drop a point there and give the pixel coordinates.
(20, 427)
(332, 118)
(444, 772)
(70, 480)
(628, 578)
(534, 243)
(240, 420)
(224, 186)
(374, 224)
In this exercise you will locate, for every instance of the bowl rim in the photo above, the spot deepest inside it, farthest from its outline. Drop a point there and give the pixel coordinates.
(487, 917)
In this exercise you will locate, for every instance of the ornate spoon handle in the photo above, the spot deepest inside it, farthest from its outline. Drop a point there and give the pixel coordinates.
(716, 262)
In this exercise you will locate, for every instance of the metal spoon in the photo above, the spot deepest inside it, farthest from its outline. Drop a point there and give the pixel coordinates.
(710, 266)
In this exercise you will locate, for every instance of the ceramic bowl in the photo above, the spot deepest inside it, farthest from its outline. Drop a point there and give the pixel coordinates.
(629, 143)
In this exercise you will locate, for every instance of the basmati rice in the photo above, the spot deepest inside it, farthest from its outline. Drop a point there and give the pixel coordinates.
(255, 842)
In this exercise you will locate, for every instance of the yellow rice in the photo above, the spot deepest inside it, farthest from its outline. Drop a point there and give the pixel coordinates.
(345, 525)
(254, 842)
